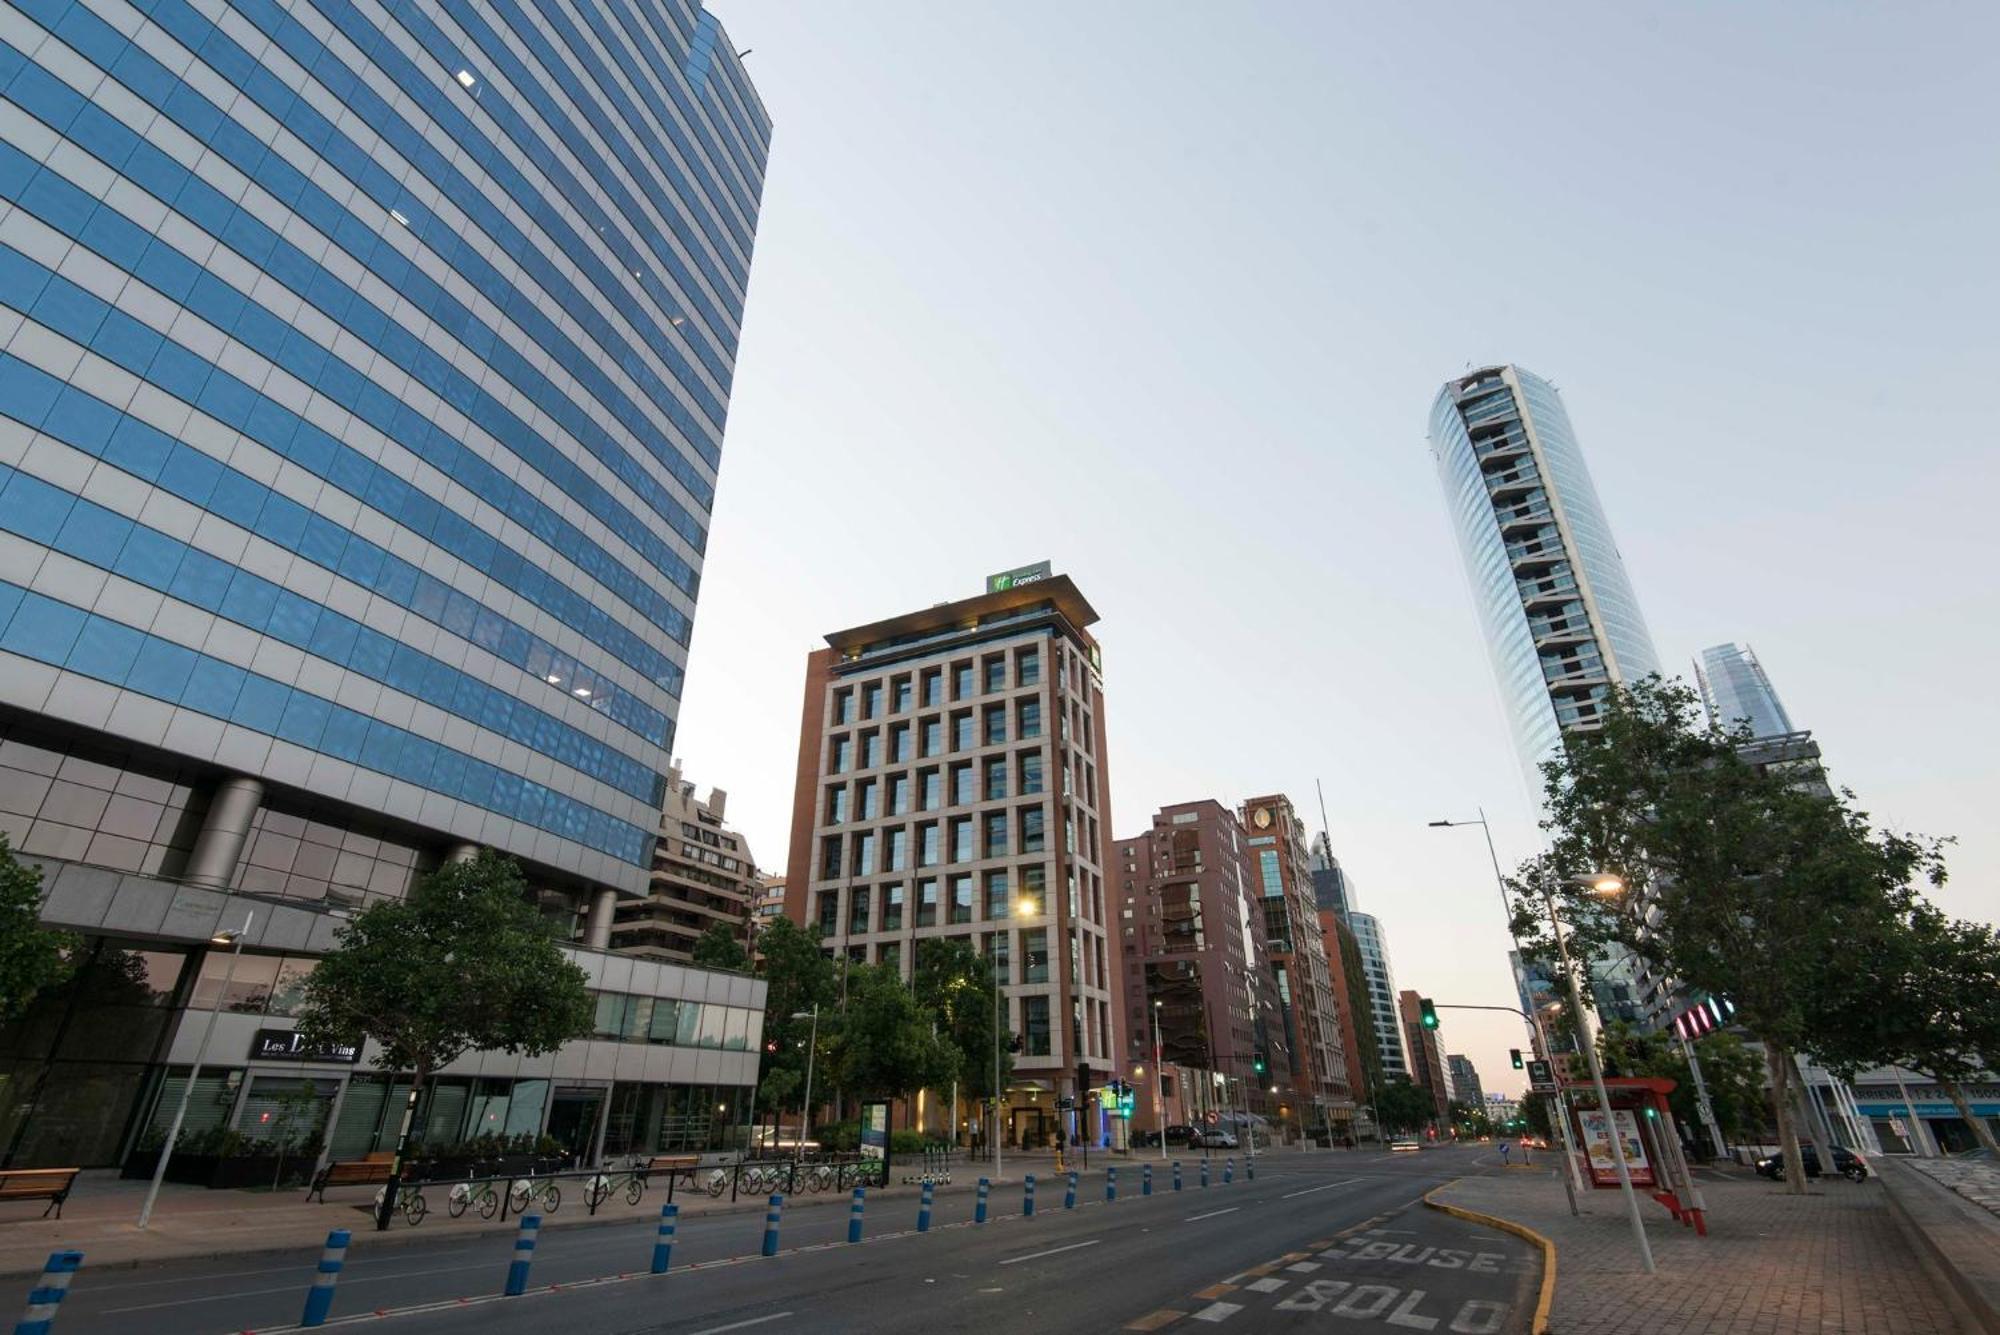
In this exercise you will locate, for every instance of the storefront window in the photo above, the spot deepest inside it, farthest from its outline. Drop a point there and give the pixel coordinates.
(250, 984)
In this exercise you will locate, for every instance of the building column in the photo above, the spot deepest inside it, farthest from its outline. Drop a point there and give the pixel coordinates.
(597, 931)
(219, 846)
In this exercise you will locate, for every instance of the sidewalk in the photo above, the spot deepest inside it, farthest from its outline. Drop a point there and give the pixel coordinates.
(193, 1222)
(1772, 1264)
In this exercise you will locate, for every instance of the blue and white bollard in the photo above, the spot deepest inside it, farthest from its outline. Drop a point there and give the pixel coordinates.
(1146, 1179)
(1028, 1197)
(855, 1206)
(319, 1298)
(1069, 1196)
(1204, 1172)
(663, 1246)
(924, 1210)
(47, 1295)
(1177, 1175)
(524, 1255)
(1228, 1171)
(979, 1206)
(1111, 1182)
(774, 1210)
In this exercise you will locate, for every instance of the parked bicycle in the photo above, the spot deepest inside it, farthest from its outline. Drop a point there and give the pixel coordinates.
(410, 1202)
(631, 1179)
(477, 1193)
(527, 1190)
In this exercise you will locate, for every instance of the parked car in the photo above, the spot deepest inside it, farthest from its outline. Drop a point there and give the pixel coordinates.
(1176, 1135)
(1845, 1162)
(1210, 1138)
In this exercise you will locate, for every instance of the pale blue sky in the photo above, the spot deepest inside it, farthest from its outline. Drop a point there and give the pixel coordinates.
(1162, 293)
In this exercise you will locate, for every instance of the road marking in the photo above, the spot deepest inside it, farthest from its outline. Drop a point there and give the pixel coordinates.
(1166, 1316)
(1325, 1187)
(1036, 1256)
(1197, 1218)
(1303, 1267)
(1268, 1284)
(1218, 1311)
(259, 1293)
(1214, 1291)
(739, 1325)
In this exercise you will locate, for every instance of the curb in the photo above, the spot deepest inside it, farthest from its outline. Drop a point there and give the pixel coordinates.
(1540, 1324)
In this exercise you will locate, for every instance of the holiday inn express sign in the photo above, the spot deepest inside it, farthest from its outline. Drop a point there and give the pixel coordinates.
(1008, 579)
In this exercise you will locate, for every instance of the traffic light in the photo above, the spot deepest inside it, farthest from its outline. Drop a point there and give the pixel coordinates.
(1082, 1079)
(1258, 1064)
(1428, 1012)
(1514, 1055)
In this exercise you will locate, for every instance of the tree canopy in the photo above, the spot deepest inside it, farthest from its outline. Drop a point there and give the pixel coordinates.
(798, 977)
(1403, 1106)
(32, 956)
(955, 985)
(887, 1045)
(721, 947)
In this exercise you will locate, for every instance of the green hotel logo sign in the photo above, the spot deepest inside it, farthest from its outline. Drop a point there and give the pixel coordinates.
(1008, 579)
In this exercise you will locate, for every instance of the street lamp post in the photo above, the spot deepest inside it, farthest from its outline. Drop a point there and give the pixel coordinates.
(234, 940)
(1588, 1042)
(1573, 1179)
(1159, 1078)
(812, 1055)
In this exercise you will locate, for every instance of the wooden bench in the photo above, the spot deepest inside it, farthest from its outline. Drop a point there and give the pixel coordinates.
(38, 1184)
(369, 1171)
(676, 1167)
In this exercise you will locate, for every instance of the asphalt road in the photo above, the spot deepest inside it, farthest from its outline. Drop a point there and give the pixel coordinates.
(1319, 1240)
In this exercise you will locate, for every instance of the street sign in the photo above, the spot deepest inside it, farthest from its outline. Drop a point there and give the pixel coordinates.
(1541, 1077)
(1065, 1103)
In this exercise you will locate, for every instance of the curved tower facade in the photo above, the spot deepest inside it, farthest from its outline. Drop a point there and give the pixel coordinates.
(1561, 621)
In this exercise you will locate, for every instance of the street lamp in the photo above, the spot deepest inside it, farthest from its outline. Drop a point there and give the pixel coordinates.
(1574, 1177)
(1024, 907)
(812, 1055)
(234, 940)
(1159, 1078)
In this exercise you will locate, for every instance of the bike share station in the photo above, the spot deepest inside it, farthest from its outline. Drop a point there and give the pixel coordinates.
(1640, 1126)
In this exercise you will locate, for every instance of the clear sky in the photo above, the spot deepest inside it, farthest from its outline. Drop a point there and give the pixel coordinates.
(1162, 292)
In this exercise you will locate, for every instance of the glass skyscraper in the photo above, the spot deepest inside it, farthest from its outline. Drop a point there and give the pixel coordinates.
(1736, 689)
(363, 375)
(1561, 621)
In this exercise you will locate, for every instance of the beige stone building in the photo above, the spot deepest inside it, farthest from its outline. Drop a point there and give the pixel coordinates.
(702, 874)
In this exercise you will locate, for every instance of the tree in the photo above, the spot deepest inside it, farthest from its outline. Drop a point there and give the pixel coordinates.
(955, 984)
(1402, 1106)
(887, 1045)
(721, 947)
(1536, 1113)
(32, 957)
(1747, 881)
(464, 962)
(797, 977)
(1730, 1071)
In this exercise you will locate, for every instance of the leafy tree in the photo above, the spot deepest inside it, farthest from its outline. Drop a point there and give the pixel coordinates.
(1732, 1074)
(721, 947)
(32, 956)
(1402, 1106)
(887, 1045)
(798, 977)
(1757, 883)
(1536, 1111)
(955, 983)
(464, 962)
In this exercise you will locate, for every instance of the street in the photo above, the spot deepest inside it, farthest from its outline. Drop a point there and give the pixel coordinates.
(1315, 1238)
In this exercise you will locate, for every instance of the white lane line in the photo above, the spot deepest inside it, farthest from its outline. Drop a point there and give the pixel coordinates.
(1036, 1256)
(1268, 1284)
(739, 1325)
(256, 1293)
(1196, 1218)
(1218, 1312)
(1328, 1186)
(1303, 1267)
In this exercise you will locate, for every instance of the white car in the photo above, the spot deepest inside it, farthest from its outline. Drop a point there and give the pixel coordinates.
(1404, 1146)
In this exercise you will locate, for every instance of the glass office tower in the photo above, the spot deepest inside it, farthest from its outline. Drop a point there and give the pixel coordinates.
(1561, 621)
(1736, 689)
(363, 375)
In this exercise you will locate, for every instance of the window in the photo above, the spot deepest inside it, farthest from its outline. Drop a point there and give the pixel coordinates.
(1035, 955)
(961, 730)
(892, 908)
(899, 850)
(829, 856)
(927, 844)
(996, 724)
(996, 834)
(927, 902)
(996, 673)
(1028, 714)
(932, 740)
(930, 785)
(1027, 666)
(610, 1015)
(961, 785)
(961, 681)
(843, 706)
(836, 805)
(996, 778)
(899, 795)
(1034, 888)
(996, 955)
(933, 688)
(871, 749)
(841, 758)
(249, 989)
(1035, 1025)
(899, 744)
(961, 898)
(961, 839)
(857, 911)
(1032, 840)
(996, 895)
(900, 694)
(829, 913)
(665, 1021)
(871, 700)
(864, 853)
(1031, 772)
(867, 798)
(890, 956)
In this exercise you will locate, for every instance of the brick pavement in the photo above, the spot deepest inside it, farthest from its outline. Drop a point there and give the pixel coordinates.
(1772, 1264)
(1975, 1180)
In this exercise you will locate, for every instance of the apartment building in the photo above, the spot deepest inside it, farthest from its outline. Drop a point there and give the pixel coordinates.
(703, 874)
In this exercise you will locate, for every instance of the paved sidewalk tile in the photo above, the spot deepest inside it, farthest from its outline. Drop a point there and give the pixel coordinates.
(1772, 1263)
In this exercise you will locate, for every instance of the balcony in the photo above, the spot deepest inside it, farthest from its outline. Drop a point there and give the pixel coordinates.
(1501, 446)
(1554, 589)
(1537, 512)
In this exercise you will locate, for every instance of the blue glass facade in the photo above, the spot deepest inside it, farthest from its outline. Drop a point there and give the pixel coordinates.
(1736, 690)
(1561, 620)
(363, 375)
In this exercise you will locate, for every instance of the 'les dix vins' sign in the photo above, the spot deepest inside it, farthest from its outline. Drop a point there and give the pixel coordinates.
(285, 1045)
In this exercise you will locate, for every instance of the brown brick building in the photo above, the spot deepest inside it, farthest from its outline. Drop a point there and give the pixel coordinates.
(1425, 1049)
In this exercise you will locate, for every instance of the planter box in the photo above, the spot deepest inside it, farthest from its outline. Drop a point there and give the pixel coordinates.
(222, 1174)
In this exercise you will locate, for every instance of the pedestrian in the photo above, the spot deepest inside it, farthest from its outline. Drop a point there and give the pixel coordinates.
(1504, 1148)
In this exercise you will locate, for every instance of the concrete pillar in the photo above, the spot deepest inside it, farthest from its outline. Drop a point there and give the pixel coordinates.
(219, 846)
(597, 931)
